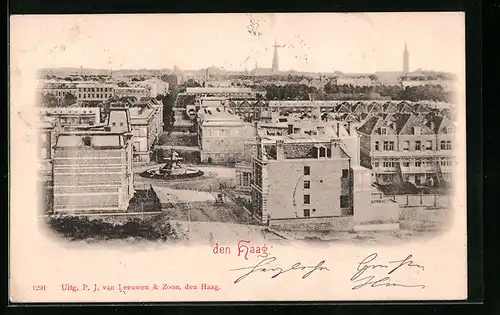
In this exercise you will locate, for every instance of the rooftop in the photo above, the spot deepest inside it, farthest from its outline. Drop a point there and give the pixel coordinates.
(90, 139)
(218, 90)
(140, 113)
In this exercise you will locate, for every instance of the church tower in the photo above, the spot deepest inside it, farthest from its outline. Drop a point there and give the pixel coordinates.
(275, 57)
(406, 60)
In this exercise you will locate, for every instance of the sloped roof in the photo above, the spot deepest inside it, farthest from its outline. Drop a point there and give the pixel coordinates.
(434, 121)
(400, 120)
(369, 125)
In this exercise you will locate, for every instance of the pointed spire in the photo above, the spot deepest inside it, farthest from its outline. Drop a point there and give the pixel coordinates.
(275, 67)
(406, 47)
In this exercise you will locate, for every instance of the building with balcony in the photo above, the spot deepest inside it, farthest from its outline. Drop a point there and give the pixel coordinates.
(92, 169)
(73, 116)
(417, 148)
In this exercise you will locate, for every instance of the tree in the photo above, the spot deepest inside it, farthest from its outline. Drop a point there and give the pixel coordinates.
(69, 99)
(192, 83)
(49, 100)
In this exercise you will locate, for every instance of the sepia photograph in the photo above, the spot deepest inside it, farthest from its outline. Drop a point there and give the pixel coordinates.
(228, 140)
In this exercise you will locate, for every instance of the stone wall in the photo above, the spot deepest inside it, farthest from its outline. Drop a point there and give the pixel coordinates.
(340, 224)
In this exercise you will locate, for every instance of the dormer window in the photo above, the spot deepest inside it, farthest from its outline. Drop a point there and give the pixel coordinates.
(322, 152)
(417, 131)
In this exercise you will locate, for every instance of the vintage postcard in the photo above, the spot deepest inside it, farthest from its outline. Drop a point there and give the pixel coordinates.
(237, 157)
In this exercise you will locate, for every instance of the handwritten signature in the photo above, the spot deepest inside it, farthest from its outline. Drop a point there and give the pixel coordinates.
(392, 266)
(278, 270)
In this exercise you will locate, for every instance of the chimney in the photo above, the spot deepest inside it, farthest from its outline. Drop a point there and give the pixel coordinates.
(349, 128)
(333, 147)
(338, 128)
(290, 129)
(280, 151)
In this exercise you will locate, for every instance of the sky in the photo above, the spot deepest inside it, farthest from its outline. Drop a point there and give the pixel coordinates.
(315, 42)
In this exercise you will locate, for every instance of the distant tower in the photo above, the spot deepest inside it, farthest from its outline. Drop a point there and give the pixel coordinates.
(275, 57)
(406, 60)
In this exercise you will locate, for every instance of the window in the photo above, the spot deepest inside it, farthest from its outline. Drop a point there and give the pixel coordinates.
(416, 131)
(383, 131)
(448, 145)
(113, 124)
(307, 213)
(377, 145)
(307, 199)
(388, 145)
(307, 170)
(307, 184)
(406, 145)
(428, 145)
(448, 130)
(246, 179)
(322, 152)
(418, 145)
(344, 201)
(388, 164)
(406, 164)
(345, 173)
(376, 164)
(445, 163)
(121, 124)
(418, 164)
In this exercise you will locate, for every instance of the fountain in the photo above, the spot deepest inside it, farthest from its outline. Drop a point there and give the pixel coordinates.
(173, 169)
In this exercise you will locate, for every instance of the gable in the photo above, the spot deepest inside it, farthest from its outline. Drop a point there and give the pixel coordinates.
(416, 121)
(381, 124)
(445, 123)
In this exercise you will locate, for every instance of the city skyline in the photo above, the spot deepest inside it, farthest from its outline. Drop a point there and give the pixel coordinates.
(373, 42)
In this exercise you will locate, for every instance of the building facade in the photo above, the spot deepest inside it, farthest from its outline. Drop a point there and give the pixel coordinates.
(299, 177)
(94, 92)
(93, 168)
(224, 91)
(59, 89)
(416, 148)
(222, 136)
(138, 92)
(48, 129)
(73, 116)
(146, 121)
